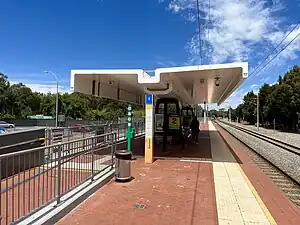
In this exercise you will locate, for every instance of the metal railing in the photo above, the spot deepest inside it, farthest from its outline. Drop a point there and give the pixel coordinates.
(72, 133)
(34, 178)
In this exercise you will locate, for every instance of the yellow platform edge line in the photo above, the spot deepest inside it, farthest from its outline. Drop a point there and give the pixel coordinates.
(258, 198)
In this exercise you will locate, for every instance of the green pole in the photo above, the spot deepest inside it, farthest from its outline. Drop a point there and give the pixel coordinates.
(130, 130)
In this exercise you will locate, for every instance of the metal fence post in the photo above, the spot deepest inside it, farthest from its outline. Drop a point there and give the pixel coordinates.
(83, 133)
(59, 175)
(110, 127)
(48, 136)
(93, 148)
(69, 133)
(113, 148)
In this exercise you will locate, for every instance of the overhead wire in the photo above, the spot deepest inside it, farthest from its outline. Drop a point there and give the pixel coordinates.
(208, 25)
(252, 74)
(199, 32)
(285, 37)
(278, 53)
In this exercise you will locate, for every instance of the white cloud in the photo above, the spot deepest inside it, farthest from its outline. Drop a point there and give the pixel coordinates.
(166, 64)
(265, 79)
(290, 52)
(276, 82)
(236, 29)
(43, 88)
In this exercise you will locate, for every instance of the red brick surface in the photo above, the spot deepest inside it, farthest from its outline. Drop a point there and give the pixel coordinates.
(173, 191)
(282, 209)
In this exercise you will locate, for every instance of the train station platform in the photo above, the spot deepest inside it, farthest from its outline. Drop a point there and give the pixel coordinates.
(214, 182)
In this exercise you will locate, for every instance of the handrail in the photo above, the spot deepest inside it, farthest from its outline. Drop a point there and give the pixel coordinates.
(33, 178)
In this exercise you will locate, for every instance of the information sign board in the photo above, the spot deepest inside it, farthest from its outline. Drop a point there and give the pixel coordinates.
(159, 122)
(174, 122)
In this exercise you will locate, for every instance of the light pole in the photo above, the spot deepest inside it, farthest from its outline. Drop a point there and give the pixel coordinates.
(56, 107)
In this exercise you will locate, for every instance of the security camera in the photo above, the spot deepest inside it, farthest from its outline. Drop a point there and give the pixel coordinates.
(217, 81)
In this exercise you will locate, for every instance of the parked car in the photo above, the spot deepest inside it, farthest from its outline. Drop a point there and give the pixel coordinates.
(6, 125)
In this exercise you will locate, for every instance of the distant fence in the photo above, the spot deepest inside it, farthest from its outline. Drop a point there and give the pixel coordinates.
(55, 135)
(50, 123)
(67, 123)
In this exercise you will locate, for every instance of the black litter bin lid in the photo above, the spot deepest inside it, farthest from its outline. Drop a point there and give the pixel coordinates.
(123, 154)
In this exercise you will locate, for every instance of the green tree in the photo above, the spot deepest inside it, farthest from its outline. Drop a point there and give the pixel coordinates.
(264, 93)
(249, 108)
(4, 85)
(279, 102)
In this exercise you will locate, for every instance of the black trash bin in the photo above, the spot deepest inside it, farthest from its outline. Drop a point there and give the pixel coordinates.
(123, 165)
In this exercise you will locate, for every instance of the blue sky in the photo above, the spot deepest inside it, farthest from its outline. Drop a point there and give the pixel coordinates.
(60, 35)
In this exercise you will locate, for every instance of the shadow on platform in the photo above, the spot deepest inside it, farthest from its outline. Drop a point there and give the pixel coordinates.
(194, 152)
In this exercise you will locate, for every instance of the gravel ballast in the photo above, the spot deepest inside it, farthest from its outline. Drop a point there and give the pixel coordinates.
(284, 160)
(290, 138)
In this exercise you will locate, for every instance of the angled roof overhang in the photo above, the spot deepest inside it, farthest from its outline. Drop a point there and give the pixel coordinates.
(189, 84)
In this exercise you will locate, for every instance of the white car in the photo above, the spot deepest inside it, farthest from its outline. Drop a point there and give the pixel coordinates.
(6, 125)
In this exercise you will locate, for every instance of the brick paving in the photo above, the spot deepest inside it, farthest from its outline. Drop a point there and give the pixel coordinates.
(173, 192)
(282, 209)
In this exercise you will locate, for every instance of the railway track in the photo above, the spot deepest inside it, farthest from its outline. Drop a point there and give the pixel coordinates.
(286, 183)
(286, 146)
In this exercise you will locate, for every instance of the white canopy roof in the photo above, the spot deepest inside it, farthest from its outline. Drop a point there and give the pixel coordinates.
(190, 84)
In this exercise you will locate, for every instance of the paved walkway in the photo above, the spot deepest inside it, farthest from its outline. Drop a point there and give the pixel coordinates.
(280, 207)
(236, 203)
(174, 195)
(178, 192)
(214, 187)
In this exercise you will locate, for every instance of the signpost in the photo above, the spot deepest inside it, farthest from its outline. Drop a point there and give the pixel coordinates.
(149, 129)
(61, 119)
(130, 129)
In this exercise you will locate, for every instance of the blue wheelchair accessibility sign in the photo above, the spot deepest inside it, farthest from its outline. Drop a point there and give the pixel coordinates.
(149, 99)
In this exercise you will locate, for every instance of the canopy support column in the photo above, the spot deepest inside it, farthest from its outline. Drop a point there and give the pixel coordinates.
(149, 131)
